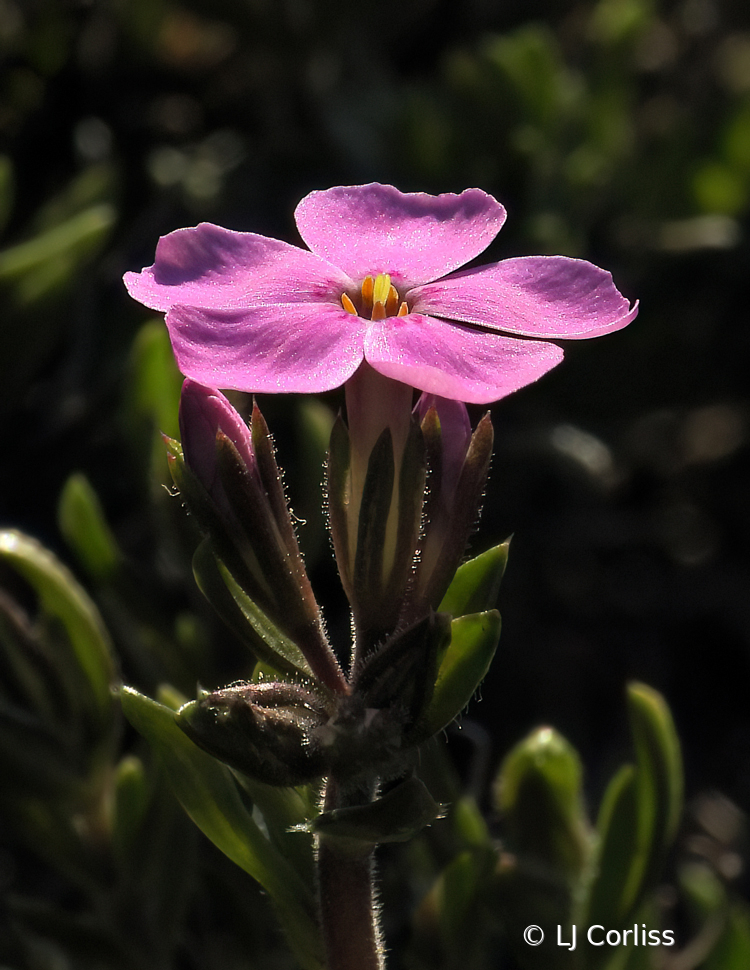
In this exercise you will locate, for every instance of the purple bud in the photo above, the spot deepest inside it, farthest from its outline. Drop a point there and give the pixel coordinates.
(204, 413)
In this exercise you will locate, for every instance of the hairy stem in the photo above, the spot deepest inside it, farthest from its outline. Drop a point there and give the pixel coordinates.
(348, 911)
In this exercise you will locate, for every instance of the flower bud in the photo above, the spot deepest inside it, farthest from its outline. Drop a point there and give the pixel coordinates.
(266, 731)
(230, 481)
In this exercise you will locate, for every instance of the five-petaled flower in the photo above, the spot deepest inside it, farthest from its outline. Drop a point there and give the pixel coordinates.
(378, 283)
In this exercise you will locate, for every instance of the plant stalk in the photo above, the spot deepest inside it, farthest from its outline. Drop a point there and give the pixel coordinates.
(348, 910)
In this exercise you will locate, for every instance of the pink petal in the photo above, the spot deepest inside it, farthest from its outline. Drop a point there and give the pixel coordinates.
(207, 266)
(294, 348)
(537, 296)
(455, 361)
(414, 237)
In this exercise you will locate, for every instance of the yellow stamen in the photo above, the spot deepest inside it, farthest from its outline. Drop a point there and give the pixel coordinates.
(381, 288)
(378, 310)
(347, 304)
(402, 310)
(367, 288)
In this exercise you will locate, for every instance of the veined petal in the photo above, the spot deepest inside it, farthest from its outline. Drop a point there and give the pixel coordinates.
(455, 361)
(368, 230)
(536, 296)
(207, 266)
(291, 348)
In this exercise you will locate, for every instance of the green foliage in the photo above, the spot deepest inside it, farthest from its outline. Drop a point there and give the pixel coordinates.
(210, 796)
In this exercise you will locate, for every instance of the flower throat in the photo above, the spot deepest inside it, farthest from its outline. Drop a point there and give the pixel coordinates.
(378, 299)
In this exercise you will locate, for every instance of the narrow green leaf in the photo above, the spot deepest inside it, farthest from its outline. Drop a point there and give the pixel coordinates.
(61, 597)
(464, 665)
(640, 813)
(281, 652)
(618, 853)
(477, 582)
(77, 234)
(209, 794)
(82, 522)
(659, 765)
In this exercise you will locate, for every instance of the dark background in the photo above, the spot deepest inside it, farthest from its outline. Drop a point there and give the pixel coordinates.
(618, 131)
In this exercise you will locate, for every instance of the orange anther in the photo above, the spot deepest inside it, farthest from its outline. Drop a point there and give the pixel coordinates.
(348, 305)
(368, 285)
(402, 310)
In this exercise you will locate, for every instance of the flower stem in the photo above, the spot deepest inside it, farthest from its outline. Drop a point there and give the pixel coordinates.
(348, 911)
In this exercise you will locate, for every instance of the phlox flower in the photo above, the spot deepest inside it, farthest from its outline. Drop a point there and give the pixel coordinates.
(381, 282)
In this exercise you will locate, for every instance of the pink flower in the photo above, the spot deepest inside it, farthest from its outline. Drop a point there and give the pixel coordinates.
(378, 283)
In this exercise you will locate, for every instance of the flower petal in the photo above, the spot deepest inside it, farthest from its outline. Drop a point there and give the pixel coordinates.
(207, 266)
(292, 348)
(455, 361)
(413, 237)
(537, 296)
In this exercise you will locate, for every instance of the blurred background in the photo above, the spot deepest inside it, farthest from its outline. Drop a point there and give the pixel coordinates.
(617, 131)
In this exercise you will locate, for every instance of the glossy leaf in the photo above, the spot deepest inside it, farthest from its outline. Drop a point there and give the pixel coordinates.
(476, 584)
(461, 670)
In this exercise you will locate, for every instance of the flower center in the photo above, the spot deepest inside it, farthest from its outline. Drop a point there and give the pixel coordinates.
(378, 298)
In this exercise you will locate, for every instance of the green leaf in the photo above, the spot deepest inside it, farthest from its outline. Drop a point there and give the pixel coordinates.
(610, 902)
(476, 584)
(640, 813)
(396, 817)
(209, 794)
(449, 924)
(82, 522)
(660, 783)
(474, 639)
(151, 399)
(539, 791)
(131, 801)
(50, 259)
(61, 597)
(269, 643)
